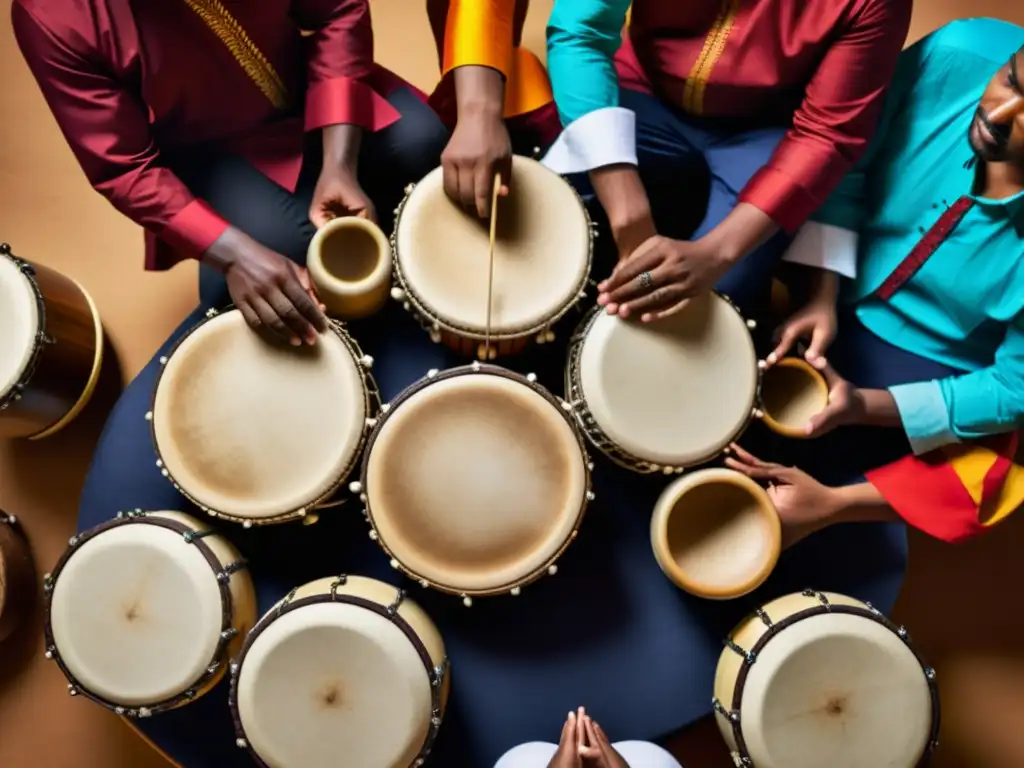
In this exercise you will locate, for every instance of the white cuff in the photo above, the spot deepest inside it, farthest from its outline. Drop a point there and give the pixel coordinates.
(826, 247)
(599, 138)
(924, 414)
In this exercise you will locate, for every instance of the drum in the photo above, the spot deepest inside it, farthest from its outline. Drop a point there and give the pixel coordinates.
(792, 391)
(814, 679)
(542, 261)
(475, 481)
(716, 534)
(259, 432)
(17, 576)
(349, 262)
(342, 671)
(51, 348)
(145, 611)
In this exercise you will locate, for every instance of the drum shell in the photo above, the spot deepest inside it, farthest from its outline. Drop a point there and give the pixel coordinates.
(17, 577)
(67, 360)
(239, 585)
(363, 297)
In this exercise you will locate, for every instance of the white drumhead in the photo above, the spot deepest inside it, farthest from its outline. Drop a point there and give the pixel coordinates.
(19, 324)
(330, 684)
(839, 690)
(475, 482)
(673, 392)
(256, 429)
(136, 614)
(541, 256)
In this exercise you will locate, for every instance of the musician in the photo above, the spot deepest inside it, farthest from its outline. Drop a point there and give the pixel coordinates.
(931, 325)
(231, 161)
(584, 743)
(776, 98)
(493, 93)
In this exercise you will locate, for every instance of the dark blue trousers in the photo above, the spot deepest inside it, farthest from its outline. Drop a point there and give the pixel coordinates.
(609, 631)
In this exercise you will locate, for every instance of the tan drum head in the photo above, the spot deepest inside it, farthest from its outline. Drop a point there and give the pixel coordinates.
(541, 256)
(674, 392)
(19, 324)
(136, 614)
(254, 430)
(716, 533)
(791, 393)
(476, 481)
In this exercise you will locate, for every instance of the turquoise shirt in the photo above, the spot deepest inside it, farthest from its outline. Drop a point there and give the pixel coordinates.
(965, 307)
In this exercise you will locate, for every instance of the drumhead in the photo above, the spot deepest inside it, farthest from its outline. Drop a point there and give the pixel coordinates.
(136, 615)
(673, 392)
(836, 689)
(475, 482)
(254, 429)
(332, 679)
(19, 319)
(541, 255)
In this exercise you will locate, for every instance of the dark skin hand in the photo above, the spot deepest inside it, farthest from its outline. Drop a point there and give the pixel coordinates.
(338, 192)
(598, 751)
(570, 744)
(480, 146)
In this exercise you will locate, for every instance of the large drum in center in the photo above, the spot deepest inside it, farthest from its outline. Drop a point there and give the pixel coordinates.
(475, 481)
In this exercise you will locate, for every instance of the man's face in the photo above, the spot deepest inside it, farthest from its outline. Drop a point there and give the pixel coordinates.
(997, 131)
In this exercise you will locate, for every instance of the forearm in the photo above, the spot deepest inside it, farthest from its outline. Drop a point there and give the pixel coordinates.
(744, 229)
(861, 503)
(341, 147)
(480, 92)
(624, 199)
(880, 409)
(226, 249)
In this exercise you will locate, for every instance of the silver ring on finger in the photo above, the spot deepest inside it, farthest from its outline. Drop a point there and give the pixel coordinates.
(646, 281)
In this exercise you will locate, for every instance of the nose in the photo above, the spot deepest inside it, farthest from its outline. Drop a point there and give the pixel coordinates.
(1005, 113)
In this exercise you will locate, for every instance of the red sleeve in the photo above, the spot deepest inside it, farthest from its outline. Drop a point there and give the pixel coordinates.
(837, 118)
(341, 65)
(107, 129)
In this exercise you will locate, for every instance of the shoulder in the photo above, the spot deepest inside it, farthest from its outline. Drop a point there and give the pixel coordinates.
(991, 40)
(66, 25)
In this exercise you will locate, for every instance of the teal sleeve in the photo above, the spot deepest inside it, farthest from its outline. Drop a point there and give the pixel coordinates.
(583, 36)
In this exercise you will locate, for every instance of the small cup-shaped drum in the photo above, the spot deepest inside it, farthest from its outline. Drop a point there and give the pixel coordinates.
(343, 671)
(792, 391)
(819, 679)
(51, 348)
(716, 534)
(17, 576)
(259, 432)
(349, 262)
(145, 611)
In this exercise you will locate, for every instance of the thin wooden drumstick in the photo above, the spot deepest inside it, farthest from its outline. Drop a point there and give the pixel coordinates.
(490, 267)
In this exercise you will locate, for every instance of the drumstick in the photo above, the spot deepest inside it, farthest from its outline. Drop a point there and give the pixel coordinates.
(490, 255)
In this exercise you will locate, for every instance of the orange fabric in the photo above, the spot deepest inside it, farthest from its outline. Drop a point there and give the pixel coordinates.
(479, 32)
(528, 87)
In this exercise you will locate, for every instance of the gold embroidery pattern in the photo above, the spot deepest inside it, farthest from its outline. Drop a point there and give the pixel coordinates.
(711, 52)
(246, 53)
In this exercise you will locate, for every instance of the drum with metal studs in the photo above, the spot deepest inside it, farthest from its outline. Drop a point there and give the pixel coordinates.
(255, 431)
(542, 261)
(475, 481)
(343, 671)
(816, 678)
(17, 576)
(144, 612)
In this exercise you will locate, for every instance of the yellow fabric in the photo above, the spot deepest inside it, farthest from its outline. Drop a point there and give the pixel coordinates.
(971, 463)
(479, 32)
(527, 87)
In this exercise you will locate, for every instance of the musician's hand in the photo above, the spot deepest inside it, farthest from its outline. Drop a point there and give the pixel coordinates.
(675, 270)
(338, 194)
(569, 746)
(479, 148)
(274, 293)
(846, 405)
(804, 505)
(815, 323)
(598, 752)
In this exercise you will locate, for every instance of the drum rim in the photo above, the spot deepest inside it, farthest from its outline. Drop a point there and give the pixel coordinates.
(596, 434)
(415, 304)
(798, 364)
(437, 675)
(371, 401)
(28, 270)
(556, 403)
(221, 573)
(868, 611)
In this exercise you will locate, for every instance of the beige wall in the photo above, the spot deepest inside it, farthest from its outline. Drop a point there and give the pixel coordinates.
(959, 602)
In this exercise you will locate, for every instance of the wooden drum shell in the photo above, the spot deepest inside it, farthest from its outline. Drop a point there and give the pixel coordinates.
(17, 577)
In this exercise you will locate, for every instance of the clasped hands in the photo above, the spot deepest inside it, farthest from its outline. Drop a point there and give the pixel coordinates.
(585, 745)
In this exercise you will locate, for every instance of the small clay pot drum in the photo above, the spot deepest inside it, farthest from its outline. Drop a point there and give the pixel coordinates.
(349, 262)
(716, 534)
(792, 391)
(17, 576)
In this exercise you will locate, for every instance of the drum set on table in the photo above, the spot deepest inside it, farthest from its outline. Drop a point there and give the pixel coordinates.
(473, 481)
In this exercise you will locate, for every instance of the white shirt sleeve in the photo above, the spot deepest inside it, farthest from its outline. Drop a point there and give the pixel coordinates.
(599, 138)
(826, 247)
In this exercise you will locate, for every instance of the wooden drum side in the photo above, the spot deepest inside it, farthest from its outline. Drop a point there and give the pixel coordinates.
(17, 577)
